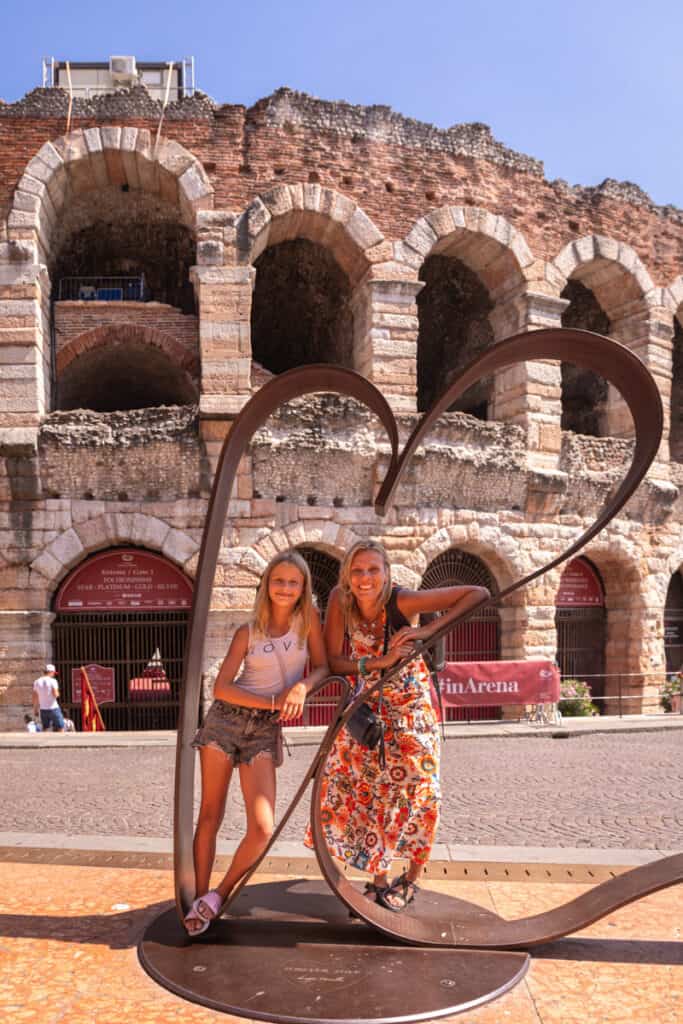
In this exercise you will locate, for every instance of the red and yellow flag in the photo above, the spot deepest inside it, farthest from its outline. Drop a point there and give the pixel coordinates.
(91, 719)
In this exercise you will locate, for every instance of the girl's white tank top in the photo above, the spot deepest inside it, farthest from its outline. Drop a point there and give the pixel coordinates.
(272, 664)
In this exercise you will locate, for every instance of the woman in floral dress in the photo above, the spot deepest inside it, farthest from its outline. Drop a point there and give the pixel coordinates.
(372, 814)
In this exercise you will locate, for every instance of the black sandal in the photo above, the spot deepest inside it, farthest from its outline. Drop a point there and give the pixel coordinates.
(392, 890)
(404, 889)
(372, 892)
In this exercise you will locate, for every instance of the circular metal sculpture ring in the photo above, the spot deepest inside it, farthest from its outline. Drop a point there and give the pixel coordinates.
(608, 358)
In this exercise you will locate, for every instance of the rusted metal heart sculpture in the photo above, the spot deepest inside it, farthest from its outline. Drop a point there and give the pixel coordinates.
(626, 372)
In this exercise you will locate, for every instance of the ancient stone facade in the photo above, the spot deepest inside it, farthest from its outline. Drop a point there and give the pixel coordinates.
(299, 231)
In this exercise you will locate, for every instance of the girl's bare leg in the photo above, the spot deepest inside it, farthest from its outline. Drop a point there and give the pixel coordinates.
(216, 771)
(258, 788)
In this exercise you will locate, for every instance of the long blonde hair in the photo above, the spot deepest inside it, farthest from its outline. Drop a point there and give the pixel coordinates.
(303, 609)
(346, 597)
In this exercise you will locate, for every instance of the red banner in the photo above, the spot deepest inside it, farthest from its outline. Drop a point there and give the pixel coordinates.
(91, 719)
(101, 680)
(580, 586)
(125, 579)
(491, 683)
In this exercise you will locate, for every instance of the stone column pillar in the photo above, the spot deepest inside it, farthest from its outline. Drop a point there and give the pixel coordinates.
(24, 344)
(385, 336)
(530, 626)
(25, 646)
(224, 307)
(530, 394)
(648, 333)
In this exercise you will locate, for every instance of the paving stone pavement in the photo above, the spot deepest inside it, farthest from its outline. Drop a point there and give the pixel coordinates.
(600, 791)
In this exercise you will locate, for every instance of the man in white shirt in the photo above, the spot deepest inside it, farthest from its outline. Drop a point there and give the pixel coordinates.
(45, 694)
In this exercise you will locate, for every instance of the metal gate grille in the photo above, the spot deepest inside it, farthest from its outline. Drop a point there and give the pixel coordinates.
(673, 624)
(319, 710)
(581, 647)
(324, 574)
(126, 642)
(478, 639)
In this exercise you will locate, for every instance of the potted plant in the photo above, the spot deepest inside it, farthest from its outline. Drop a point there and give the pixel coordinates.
(575, 699)
(671, 692)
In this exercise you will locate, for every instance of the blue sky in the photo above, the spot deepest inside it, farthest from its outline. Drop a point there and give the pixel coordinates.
(591, 87)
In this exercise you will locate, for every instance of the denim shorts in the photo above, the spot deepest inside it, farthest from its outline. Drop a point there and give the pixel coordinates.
(241, 733)
(52, 717)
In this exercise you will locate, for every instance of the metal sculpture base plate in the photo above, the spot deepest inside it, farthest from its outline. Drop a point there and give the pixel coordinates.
(288, 951)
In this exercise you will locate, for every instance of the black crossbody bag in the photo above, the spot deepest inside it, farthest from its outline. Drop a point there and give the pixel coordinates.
(367, 726)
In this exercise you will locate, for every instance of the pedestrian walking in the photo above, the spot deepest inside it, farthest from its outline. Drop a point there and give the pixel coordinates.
(45, 700)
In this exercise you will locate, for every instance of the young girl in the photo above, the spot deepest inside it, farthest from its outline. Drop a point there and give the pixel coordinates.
(243, 727)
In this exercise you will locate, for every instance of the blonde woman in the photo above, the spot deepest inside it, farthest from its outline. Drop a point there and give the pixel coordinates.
(243, 725)
(371, 813)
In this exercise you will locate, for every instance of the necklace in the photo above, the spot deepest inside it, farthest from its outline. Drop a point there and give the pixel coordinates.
(371, 624)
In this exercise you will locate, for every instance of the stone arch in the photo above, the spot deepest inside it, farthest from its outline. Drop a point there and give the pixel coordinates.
(320, 215)
(144, 367)
(499, 551)
(674, 564)
(616, 558)
(107, 530)
(676, 408)
(498, 554)
(468, 261)
(93, 158)
(328, 536)
(613, 271)
(611, 283)
(311, 248)
(105, 335)
(488, 244)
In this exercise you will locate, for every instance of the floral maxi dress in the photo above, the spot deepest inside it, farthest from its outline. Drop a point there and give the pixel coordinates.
(371, 815)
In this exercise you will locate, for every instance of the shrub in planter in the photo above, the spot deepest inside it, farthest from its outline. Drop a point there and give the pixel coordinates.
(673, 686)
(575, 699)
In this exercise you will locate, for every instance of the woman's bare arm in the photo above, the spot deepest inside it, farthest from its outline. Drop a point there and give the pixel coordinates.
(334, 642)
(441, 599)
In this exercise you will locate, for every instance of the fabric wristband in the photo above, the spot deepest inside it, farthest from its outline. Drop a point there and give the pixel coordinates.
(361, 665)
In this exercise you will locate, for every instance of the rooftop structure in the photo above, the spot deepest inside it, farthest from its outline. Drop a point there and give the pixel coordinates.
(164, 80)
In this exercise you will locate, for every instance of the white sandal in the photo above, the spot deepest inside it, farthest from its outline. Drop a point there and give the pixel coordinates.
(206, 909)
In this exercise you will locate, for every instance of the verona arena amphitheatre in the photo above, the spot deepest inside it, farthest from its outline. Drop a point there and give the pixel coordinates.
(151, 282)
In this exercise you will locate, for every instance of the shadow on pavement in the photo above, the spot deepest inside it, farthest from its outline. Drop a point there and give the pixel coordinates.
(614, 951)
(117, 930)
(124, 930)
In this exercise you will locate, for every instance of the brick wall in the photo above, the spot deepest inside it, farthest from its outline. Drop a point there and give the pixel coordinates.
(395, 168)
(73, 319)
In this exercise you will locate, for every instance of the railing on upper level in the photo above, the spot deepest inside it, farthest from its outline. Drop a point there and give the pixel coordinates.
(103, 289)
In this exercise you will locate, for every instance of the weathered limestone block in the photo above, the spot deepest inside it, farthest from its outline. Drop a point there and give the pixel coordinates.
(67, 548)
(179, 547)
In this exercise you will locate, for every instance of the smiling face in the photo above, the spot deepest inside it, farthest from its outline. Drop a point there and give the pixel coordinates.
(285, 586)
(367, 578)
